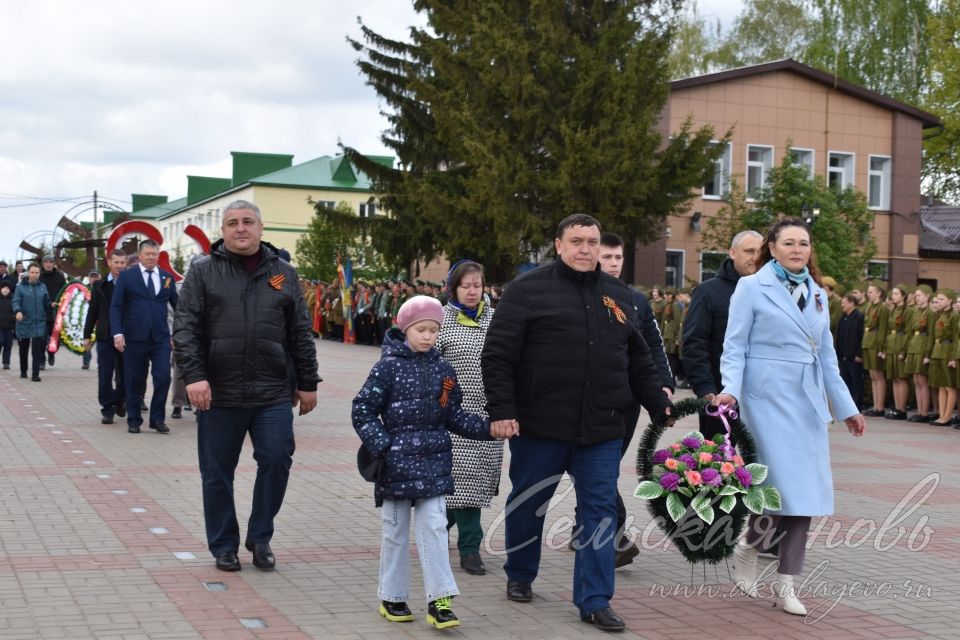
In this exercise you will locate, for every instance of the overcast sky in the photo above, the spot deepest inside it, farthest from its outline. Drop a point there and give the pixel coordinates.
(128, 97)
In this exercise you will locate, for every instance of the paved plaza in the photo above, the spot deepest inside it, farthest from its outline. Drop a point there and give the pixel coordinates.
(102, 537)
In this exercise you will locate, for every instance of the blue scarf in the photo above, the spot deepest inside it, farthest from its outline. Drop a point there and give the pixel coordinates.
(788, 277)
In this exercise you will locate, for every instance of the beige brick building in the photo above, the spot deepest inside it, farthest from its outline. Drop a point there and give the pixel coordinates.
(843, 132)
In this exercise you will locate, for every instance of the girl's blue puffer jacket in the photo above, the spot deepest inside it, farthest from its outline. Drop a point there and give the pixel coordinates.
(403, 412)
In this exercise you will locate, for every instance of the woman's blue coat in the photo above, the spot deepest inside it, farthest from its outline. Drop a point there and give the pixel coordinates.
(780, 364)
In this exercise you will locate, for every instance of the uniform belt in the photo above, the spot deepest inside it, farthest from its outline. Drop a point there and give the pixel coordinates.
(942, 341)
(920, 333)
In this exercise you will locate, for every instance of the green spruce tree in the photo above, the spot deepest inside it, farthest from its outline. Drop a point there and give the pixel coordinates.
(508, 115)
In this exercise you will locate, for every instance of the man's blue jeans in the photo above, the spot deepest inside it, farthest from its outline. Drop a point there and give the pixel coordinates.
(536, 467)
(220, 435)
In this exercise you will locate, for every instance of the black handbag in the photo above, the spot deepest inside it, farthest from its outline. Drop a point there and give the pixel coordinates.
(369, 465)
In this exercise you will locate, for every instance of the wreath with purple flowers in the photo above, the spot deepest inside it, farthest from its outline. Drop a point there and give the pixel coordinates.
(700, 491)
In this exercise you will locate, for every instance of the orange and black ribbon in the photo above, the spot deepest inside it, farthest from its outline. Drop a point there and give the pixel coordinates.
(617, 311)
(277, 281)
(448, 384)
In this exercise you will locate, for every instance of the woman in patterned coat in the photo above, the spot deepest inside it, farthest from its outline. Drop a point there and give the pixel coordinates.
(476, 464)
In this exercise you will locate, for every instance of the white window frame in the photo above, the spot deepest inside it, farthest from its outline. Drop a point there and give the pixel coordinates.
(849, 173)
(764, 165)
(726, 164)
(683, 268)
(723, 256)
(869, 276)
(884, 176)
(813, 158)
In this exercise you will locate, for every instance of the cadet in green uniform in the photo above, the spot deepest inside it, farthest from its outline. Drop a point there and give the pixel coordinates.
(919, 345)
(670, 329)
(875, 315)
(894, 352)
(944, 335)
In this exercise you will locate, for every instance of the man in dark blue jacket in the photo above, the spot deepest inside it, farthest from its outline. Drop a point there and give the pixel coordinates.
(706, 323)
(611, 261)
(561, 361)
(138, 321)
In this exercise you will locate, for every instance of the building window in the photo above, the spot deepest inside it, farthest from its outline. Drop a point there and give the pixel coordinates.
(840, 170)
(368, 209)
(803, 158)
(674, 275)
(710, 262)
(759, 163)
(878, 191)
(878, 270)
(329, 204)
(719, 183)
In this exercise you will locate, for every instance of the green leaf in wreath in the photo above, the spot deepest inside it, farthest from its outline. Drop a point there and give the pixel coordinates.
(758, 471)
(701, 504)
(674, 506)
(686, 491)
(728, 503)
(754, 500)
(771, 498)
(727, 490)
(648, 490)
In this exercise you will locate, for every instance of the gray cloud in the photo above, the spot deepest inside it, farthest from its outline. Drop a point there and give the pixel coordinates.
(130, 97)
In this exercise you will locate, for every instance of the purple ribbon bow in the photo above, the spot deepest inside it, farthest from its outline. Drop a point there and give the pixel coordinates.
(722, 411)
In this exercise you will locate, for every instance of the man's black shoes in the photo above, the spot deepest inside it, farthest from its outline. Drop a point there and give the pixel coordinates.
(106, 420)
(176, 413)
(519, 591)
(121, 409)
(606, 620)
(626, 556)
(160, 427)
(133, 428)
(228, 561)
(263, 557)
(472, 563)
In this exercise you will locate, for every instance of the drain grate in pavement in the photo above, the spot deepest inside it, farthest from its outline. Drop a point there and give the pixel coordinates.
(253, 623)
(119, 492)
(104, 476)
(184, 555)
(215, 586)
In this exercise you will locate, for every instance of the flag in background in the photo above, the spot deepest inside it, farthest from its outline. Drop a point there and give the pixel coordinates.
(346, 293)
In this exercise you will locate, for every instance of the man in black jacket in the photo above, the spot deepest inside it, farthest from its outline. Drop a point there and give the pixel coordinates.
(849, 346)
(109, 361)
(7, 277)
(562, 359)
(611, 262)
(54, 280)
(706, 323)
(241, 333)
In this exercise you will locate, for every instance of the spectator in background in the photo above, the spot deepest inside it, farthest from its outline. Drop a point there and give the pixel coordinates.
(849, 347)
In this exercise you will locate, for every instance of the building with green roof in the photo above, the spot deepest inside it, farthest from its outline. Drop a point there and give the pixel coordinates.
(282, 190)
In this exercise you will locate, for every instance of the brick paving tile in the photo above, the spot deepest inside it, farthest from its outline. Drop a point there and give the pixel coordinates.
(94, 522)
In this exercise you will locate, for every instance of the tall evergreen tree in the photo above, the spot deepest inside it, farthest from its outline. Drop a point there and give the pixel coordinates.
(507, 115)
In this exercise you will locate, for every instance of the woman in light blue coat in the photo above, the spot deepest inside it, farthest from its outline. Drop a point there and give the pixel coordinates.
(780, 366)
